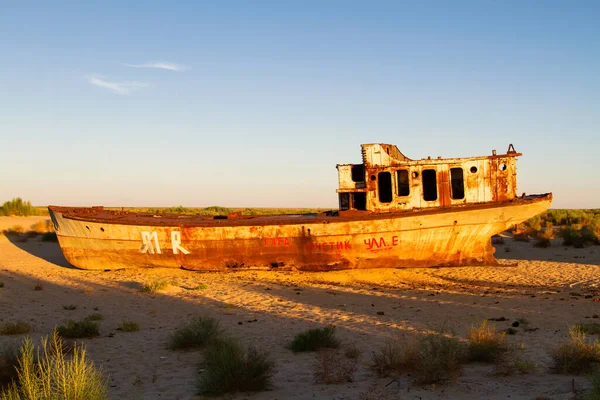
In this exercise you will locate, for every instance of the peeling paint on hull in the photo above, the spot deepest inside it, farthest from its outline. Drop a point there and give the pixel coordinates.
(97, 239)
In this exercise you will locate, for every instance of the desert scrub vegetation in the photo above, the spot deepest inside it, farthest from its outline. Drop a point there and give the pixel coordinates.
(577, 356)
(8, 364)
(14, 230)
(42, 227)
(154, 286)
(78, 329)
(315, 339)
(194, 334)
(228, 367)
(331, 367)
(128, 326)
(69, 307)
(49, 374)
(430, 358)
(15, 328)
(594, 392)
(94, 317)
(1, 284)
(485, 344)
(18, 207)
(590, 328)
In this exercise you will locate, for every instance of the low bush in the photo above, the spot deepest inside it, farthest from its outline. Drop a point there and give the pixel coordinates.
(15, 328)
(590, 328)
(330, 367)
(352, 352)
(485, 344)
(94, 317)
(315, 339)
(69, 307)
(389, 358)
(79, 329)
(577, 356)
(48, 374)
(129, 326)
(42, 227)
(228, 368)
(435, 358)
(195, 334)
(594, 392)
(154, 286)
(430, 358)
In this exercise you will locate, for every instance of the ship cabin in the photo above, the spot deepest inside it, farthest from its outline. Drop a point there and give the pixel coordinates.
(388, 181)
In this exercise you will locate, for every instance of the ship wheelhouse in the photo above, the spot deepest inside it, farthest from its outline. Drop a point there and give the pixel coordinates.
(388, 181)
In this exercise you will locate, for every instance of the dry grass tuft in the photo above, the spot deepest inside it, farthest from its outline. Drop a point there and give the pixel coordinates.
(195, 334)
(42, 227)
(331, 367)
(228, 368)
(69, 307)
(431, 358)
(389, 358)
(485, 344)
(352, 352)
(15, 328)
(577, 356)
(315, 339)
(48, 374)
(435, 358)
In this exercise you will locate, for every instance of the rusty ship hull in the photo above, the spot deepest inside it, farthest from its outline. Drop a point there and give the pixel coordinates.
(98, 239)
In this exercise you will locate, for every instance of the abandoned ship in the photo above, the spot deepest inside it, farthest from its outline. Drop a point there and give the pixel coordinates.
(393, 212)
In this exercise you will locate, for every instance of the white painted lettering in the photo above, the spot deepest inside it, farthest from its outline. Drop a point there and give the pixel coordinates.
(150, 243)
(176, 243)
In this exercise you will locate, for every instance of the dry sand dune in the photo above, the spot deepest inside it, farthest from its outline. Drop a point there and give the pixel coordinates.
(551, 288)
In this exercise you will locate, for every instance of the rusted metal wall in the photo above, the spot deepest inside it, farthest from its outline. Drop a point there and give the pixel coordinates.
(487, 178)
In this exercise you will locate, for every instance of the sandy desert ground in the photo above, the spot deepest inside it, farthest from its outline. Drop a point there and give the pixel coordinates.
(552, 288)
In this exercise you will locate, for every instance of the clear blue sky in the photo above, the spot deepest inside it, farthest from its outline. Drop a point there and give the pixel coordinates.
(240, 103)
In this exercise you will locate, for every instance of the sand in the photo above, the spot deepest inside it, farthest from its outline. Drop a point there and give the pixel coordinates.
(552, 288)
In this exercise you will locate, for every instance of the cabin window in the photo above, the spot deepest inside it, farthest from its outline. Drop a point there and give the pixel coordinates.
(473, 169)
(458, 183)
(359, 201)
(358, 173)
(429, 185)
(384, 186)
(344, 201)
(403, 183)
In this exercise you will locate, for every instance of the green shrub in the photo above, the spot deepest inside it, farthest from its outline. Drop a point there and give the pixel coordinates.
(47, 374)
(315, 339)
(154, 286)
(129, 326)
(577, 356)
(485, 344)
(79, 329)
(15, 328)
(229, 368)
(194, 334)
(94, 317)
(18, 207)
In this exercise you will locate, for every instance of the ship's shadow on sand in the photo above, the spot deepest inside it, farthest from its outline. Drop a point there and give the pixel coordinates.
(48, 251)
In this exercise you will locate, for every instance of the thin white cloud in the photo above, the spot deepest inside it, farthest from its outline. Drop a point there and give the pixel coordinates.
(160, 65)
(122, 88)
